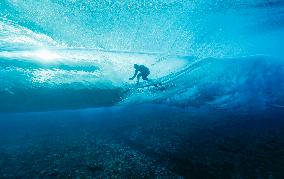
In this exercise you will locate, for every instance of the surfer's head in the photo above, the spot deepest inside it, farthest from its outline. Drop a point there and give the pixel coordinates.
(135, 66)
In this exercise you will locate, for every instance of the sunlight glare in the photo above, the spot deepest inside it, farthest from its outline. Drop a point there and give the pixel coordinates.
(46, 55)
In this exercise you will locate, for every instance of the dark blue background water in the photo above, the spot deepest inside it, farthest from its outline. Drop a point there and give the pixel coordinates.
(142, 141)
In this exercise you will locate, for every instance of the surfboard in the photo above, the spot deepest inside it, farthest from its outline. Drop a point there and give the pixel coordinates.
(150, 84)
(145, 84)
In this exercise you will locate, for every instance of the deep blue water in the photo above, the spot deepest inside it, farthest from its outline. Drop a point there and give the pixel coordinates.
(67, 108)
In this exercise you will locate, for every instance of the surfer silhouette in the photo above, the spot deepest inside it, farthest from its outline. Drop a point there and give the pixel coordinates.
(140, 71)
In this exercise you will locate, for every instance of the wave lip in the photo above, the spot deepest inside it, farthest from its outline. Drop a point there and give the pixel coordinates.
(45, 99)
(15, 37)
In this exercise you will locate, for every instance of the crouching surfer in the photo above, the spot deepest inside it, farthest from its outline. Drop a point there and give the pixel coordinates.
(142, 71)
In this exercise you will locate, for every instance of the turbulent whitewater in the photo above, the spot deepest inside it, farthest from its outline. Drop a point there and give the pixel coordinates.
(76, 54)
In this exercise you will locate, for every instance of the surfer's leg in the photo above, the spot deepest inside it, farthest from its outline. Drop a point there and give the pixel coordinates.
(145, 76)
(138, 77)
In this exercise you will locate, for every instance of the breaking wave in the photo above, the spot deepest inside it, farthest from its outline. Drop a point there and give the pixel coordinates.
(78, 54)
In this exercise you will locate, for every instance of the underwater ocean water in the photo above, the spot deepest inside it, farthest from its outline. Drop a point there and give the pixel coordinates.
(214, 107)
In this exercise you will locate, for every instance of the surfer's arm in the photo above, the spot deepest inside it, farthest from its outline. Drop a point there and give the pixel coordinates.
(135, 74)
